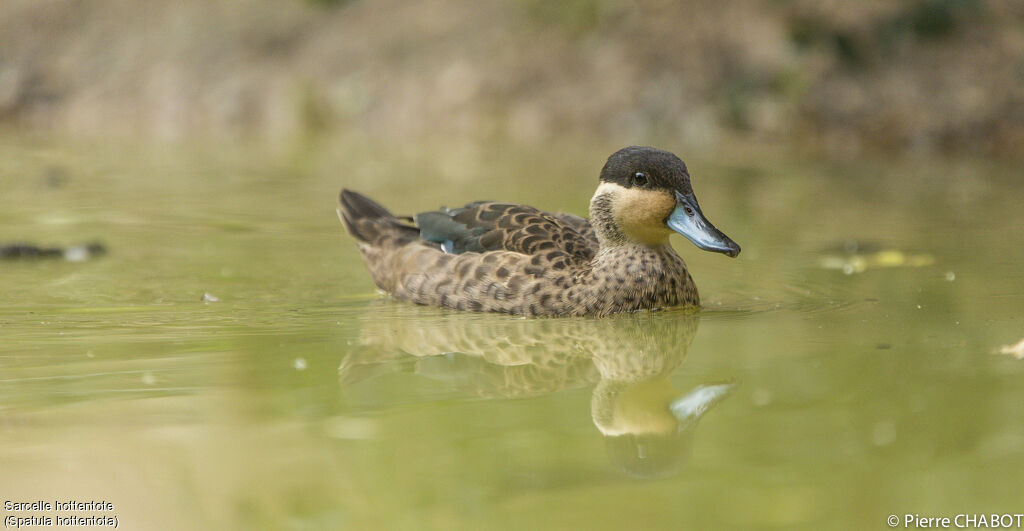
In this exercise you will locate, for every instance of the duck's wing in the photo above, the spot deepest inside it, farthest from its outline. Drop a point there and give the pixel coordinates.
(489, 226)
(581, 225)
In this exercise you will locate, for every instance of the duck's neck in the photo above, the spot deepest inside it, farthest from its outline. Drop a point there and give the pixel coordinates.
(635, 268)
(653, 259)
(602, 219)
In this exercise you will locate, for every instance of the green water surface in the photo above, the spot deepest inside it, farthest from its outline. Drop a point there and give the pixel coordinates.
(851, 348)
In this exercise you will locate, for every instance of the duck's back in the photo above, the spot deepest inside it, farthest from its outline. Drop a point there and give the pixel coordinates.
(485, 256)
(489, 226)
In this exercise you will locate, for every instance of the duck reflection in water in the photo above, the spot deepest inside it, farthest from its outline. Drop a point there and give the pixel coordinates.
(647, 424)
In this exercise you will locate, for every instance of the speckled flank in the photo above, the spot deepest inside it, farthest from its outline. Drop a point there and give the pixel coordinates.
(633, 278)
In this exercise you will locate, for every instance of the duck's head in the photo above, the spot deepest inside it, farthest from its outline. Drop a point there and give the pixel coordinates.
(644, 195)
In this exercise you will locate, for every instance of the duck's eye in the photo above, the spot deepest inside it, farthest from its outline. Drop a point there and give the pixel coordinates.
(640, 179)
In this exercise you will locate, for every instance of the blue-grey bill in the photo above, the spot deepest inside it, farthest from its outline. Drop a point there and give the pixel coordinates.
(688, 220)
(699, 401)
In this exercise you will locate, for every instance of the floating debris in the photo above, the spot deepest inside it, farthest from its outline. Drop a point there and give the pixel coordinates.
(1016, 351)
(858, 262)
(55, 176)
(353, 428)
(207, 297)
(761, 397)
(79, 253)
(74, 253)
(884, 433)
(299, 364)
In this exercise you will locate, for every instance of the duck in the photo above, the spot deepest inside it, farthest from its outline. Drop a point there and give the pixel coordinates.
(490, 256)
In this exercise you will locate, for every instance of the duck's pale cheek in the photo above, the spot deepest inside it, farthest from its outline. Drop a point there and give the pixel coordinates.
(642, 214)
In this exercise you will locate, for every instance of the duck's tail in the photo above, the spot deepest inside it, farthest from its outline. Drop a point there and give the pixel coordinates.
(368, 221)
